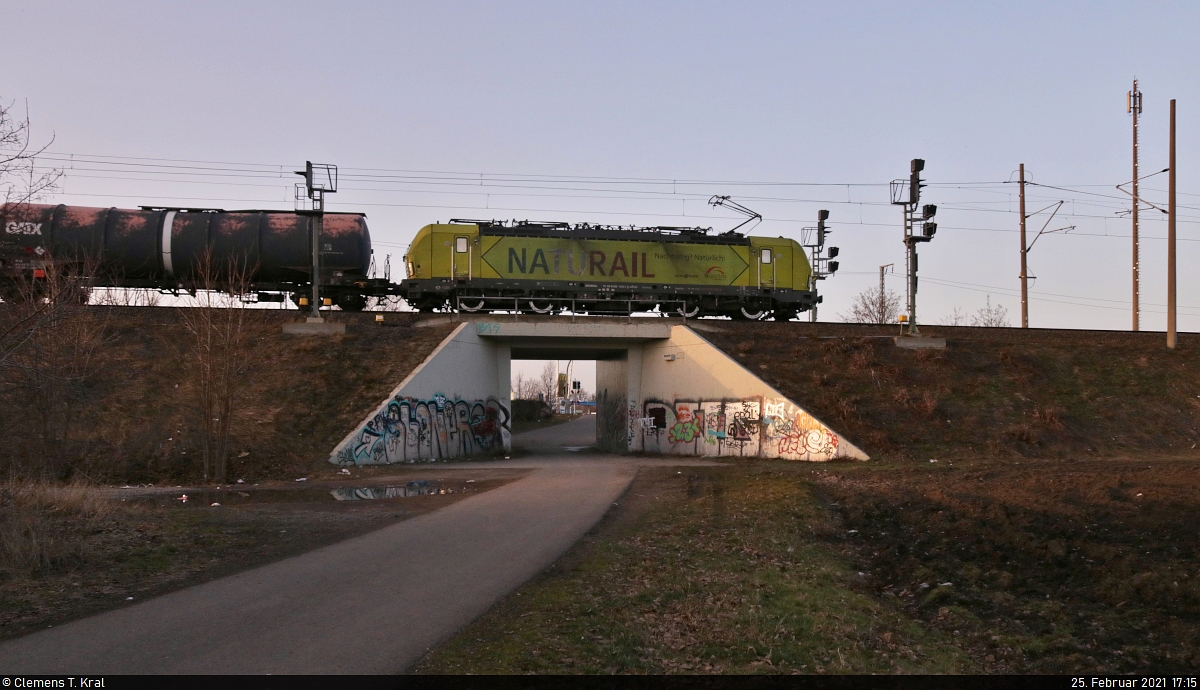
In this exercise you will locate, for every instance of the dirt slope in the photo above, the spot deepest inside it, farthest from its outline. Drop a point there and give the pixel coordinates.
(135, 419)
(999, 392)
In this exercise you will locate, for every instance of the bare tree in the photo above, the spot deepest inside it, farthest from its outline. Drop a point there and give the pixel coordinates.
(547, 385)
(956, 318)
(525, 389)
(48, 353)
(873, 306)
(991, 317)
(219, 329)
(21, 178)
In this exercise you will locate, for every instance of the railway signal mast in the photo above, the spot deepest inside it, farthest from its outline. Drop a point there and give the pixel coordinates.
(822, 266)
(907, 194)
(319, 179)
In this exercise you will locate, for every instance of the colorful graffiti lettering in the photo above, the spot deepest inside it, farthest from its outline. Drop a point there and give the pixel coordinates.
(747, 428)
(412, 430)
(684, 431)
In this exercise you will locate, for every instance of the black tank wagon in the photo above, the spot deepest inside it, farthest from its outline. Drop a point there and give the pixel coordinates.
(161, 248)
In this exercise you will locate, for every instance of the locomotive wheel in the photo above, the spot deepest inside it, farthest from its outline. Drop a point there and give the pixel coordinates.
(688, 313)
(752, 315)
(462, 304)
(541, 306)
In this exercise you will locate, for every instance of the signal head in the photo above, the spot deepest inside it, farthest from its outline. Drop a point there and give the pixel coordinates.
(833, 266)
(930, 229)
(928, 211)
(918, 164)
(822, 215)
(833, 251)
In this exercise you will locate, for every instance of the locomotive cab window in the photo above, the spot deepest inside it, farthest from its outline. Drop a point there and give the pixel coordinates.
(460, 245)
(766, 256)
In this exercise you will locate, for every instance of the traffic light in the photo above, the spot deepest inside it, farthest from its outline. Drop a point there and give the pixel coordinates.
(822, 216)
(928, 211)
(833, 251)
(833, 266)
(929, 229)
(914, 181)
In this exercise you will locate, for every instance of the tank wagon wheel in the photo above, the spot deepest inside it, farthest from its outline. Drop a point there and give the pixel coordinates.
(541, 306)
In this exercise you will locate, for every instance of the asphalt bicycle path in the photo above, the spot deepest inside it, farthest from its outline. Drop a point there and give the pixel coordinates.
(371, 604)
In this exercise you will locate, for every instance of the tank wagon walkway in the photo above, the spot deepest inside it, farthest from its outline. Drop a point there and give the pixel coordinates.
(372, 604)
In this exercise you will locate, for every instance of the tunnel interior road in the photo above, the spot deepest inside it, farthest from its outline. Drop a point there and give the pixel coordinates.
(577, 435)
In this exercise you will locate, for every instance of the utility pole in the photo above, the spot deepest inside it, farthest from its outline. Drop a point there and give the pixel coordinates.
(882, 270)
(909, 202)
(1024, 267)
(319, 179)
(1171, 237)
(1133, 104)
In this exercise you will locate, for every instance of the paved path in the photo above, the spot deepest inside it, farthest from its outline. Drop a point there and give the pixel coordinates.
(372, 604)
(578, 433)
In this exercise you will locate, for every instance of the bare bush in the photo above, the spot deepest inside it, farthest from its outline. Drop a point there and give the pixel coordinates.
(216, 355)
(991, 317)
(873, 306)
(956, 318)
(48, 357)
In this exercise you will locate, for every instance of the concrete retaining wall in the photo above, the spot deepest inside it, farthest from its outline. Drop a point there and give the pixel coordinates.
(456, 404)
(686, 397)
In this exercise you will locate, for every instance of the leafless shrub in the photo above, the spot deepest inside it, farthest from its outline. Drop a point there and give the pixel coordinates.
(219, 329)
(991, 316)
(48, 358)
(956, 318)
(873, 306)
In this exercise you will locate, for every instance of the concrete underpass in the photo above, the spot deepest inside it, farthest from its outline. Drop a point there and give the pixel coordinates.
(661, 388)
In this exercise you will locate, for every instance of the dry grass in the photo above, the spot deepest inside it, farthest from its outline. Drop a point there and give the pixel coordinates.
(702, 570)
(40, 522)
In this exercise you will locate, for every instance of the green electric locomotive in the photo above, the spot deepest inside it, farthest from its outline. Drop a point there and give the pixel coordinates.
(544, 268)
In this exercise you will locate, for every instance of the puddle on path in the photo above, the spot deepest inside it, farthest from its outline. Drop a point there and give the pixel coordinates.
(409, 489)
(237, 495)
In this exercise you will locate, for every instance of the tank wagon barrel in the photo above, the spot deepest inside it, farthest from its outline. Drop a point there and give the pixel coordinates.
(163, 247)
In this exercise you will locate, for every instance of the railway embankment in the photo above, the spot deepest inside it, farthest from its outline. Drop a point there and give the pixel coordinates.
(993, 392)
(134, 417)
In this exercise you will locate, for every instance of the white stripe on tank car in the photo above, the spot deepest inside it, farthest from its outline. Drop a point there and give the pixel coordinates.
(168, 221)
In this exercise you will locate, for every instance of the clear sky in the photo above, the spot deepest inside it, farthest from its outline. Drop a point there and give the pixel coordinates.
(638, 112)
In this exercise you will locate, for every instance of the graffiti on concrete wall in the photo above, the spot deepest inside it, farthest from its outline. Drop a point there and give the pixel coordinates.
(611, 421)
(414, 430)
(745, 428)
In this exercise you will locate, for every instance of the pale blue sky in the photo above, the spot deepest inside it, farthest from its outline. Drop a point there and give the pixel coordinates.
(841, 93)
